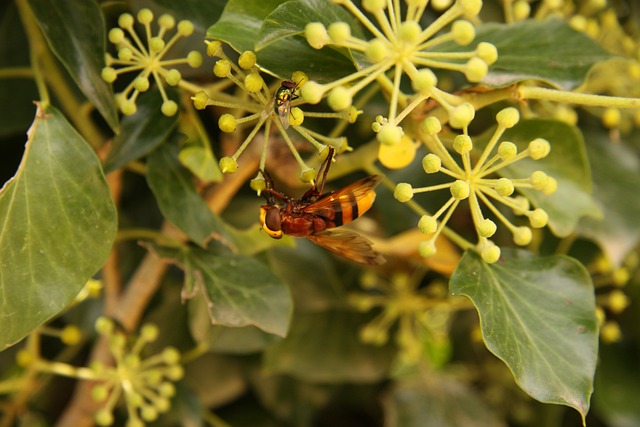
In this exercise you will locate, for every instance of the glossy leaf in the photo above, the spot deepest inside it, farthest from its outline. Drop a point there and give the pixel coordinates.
(239, 290)
(324, 347)
(201, 13)
(545, 50)
(567, 162)
(177, 197)
(616, 174)
(141, 132)
(266, 26)
(538, 315)
(58, 225)
(201, 162)
(76, 33)
(435, 400)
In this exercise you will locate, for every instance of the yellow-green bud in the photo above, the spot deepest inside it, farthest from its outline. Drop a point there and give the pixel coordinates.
(339, 32)
(610, 332)
(312, 92)
(427, 248)
(523, 205)
(169, 108)
(24, 358)
(173, 77)
(487, 52)
(353, 114)
(470, 7)
(374, 6)
(431, 125)
(486, 228)
(227, 123)
(166, 21)
(109, 74)
(148, 413)
(116, 35)
(171, 355)
(538, 218)
(539, 148)
(538, 180)
(156, 44)
(340, 98)
(551, 187)
(185, 28)
(128, 107)
(258, 184)
(99, 393)
(424, 81)
(145, 16)
(247, 60)
(462, 115)
(463, 32)
(200, 100)
(427, 224)
(618, 301)
(507, 150)
(508, 117)
(253, 82)
(621, 276)
(522, 10)
(307, 175)
(460, 189)
(403, 192)
(104, 325)
(490, 253)
(149, 332)
(504, 187)
(409, 31)
(522, 236)
(316, 35)
(104, 417)
(296, 116)
(167, 389)
(476, 69)
(377, 50)
(389, 134)
(431, 163)
(222, 68)
(440, 5)
(125, 20)
(228, 165)
(194, 59)
(214, 48)
(125, 54)
(462, 144)
(376, 127)
(71, 335)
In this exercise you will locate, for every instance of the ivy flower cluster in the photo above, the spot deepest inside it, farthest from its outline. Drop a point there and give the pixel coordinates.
(472, 182)
(258, 101)
(147, 58)
(399, 47)
(421, 314)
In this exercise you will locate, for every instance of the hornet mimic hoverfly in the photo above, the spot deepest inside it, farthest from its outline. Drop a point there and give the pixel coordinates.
(315, 215)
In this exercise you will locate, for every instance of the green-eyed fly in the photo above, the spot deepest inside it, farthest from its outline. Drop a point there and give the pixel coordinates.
(282, 101)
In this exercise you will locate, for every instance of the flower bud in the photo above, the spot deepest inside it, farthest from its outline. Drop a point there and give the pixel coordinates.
(462, 115)
(312, 92)
(487, 52)
(431, 163)
(145, 16)
(431, 125)
(149, 332)
(296, 116)
(551, 187)
(253, 82)
(247, 60)
(403, 192)
(173, 77)
(194, 59)
(109, 74)
(340, 98)
(507, 151)
(508, 117)
(504, 187)
(617, 301)
(307, 175)
(486, 228)
(539, 148)
(316, 35)
(409, 31)
(258, 184)
(470, 7)
(339, 32)
(427, 249)
(185, 28)
(462, 144)
(214, 48)
(227, 123)
(166, 21)
(125, 54)
(377, 50)
(463, 32)
(222, 68)
(156, 44)
(389, 134)
(490, 253)
(374, 6)
(200, 100)
(538, 218)
(476, 69)
(538, 180)
(125, 21)
(228, 165)
(427, 224)
(522, 236)
(116, 35)
(128, 107)
(460, 189)
(521, 10)
(424, 81)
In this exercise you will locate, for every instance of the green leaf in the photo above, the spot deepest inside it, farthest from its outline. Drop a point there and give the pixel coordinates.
(567, 163)
(141, 132)
(80, 47)
(538, 315)
(177, 197)
(58, 225)
(201, 162)
(545, 50)
(201, 13)
(324, 347)
(436, 400)
(239, 290)
(274, 29)
(616, 174)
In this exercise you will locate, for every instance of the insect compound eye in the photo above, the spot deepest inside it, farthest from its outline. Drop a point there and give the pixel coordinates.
(270, 218)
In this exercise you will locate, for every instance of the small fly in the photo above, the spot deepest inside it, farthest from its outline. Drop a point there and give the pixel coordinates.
(282, 101)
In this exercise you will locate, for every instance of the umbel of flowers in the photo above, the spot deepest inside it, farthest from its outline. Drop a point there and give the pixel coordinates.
(472, 181)
(401, 47)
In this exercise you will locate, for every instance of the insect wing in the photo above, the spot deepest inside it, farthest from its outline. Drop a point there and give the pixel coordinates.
(348, 244)
(359, 193)
(284, 108)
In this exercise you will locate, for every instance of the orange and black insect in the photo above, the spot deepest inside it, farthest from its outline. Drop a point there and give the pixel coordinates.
(315, 215)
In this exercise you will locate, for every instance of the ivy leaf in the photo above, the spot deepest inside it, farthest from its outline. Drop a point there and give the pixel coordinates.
(273, 29)
(538, 315)
(616, 173)
(59, 223)
(141, 132)
(201, 13)
(567, 163)
(177, 197)
(239, 290)
(80, 47)
(548, 50)
(201, 162)
(324, 347)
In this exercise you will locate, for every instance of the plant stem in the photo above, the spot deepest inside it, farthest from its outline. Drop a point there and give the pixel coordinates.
(528, 92)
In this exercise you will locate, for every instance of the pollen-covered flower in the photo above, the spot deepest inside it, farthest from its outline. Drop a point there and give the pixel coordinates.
(473, 181)
(262, 106)
(421, 314)
(146, 56)
(145, 384)
(400, 47)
